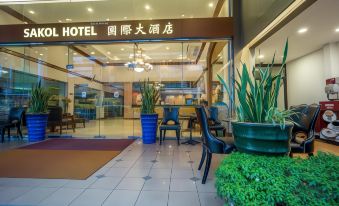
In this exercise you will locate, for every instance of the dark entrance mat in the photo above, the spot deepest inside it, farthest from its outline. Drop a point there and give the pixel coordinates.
(81, 144)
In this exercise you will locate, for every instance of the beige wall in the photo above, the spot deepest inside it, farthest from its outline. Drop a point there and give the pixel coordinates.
(307, 75)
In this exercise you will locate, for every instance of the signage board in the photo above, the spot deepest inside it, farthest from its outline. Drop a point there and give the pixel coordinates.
(69, 66)
(172, 29)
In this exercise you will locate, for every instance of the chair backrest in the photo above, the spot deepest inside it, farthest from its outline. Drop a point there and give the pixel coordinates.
(213, 144)
(16, 113)
(55, 114)
(171, 114)
(213, 113)
(305, 117)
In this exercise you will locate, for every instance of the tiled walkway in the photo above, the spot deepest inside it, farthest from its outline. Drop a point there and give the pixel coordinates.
(142, 175)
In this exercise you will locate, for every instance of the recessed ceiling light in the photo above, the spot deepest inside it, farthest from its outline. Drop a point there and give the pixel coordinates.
(68, 19)
(31, 12)
(183, 15)
(107, 19)
(25, 22)
(337, 29)
(59, 21)
(261, 56)
(167, 48)
(147, 7)
(41, 54)
(107, 62)
(89, 9)
(74, 53)
(92, 52)
(210, 5)
(125, 17)
(122, 49)
(302, 30)
(108, 52)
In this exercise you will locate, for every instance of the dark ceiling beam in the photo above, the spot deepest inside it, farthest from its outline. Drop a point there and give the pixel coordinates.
(38, 61)
(16, 14)
(216, 13)
(83, 53)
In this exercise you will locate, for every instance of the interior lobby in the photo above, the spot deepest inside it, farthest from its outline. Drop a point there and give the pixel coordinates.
(93, 57)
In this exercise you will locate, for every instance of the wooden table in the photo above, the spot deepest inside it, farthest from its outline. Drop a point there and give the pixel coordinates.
(191, 118)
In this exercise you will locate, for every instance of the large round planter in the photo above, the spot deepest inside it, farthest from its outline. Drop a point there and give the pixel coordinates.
(36, 126)
(149, 125)
(262, 138)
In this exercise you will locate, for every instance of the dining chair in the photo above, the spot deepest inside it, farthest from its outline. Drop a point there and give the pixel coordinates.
(15, 117)
(211, 144)
(304, 121)
(171, 115)
(214, 122)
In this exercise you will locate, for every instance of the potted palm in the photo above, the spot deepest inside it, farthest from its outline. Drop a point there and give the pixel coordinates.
(148, 117)
(37, 113)
(261, 127)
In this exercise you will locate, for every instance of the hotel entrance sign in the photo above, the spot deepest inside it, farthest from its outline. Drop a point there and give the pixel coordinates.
(204, 28)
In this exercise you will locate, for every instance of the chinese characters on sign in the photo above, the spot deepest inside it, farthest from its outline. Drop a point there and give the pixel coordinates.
(140, 29)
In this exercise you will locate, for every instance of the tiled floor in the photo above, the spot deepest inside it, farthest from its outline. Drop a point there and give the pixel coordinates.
(142, 175)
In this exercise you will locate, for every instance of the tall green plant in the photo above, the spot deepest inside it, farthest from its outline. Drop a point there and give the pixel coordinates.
(258, 95)
(39, 99)
(150, 96)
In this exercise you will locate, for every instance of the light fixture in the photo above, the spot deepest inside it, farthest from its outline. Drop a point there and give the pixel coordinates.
(108, 52)
(125, 17)
(68, 19)
(261, 56)
(25, 22)
(41, 54)
(147, 7)
(31, 12)
(107, 62)
(74, 53)
(107, 19)
(210, 5)
(167, 48)
(337, 30)
(182, 15)
(302, 30)
(139, 64)
(59, 21)
(89, 9)
(122, 49)
(92, 52)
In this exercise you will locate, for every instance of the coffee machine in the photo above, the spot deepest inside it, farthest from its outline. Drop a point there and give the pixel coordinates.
(327, 125)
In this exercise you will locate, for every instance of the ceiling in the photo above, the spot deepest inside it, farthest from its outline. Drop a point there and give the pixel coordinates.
(321, 21)
(114, 10)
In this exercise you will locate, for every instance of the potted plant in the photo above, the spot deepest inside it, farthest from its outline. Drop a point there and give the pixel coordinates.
(261, 127)
(37, 113)
(148, 117)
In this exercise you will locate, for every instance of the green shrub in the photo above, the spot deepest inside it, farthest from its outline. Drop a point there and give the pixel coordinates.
(39, 99)
(244, 179)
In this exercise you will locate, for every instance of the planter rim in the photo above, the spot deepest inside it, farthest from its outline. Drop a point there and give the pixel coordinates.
(29, 113)
(149, 114)
(287, 123)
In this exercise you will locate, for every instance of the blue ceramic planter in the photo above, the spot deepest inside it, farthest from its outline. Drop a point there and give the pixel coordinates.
(149, 125)
(36, 126)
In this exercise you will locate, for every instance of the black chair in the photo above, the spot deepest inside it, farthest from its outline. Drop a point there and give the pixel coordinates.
(214, 123)
(15, 117)
(171, 114)
(56, 118)
(304, 122)
(211, 144)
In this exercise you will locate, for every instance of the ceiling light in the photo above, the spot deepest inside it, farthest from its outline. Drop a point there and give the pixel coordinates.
(68, 19)
(183, 15)
(210, 5)
(31, 12)
(74, 53)
(92, 53)
(302, 30)
(107, 19)
(59, 21)
(107, 62)
(261, 56)
(337, 29)
(89, 9)
(122, 49)
(108, 52)
(125, 17)
(41, 54)
(167, 48)
(25, 22)
(147, 7)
